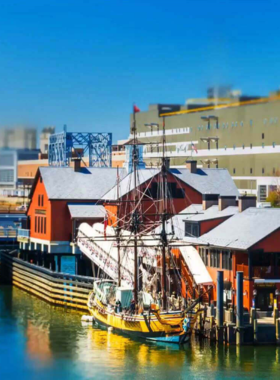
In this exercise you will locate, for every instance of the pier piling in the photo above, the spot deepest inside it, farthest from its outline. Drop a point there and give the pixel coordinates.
(239, 316)
(220, 305)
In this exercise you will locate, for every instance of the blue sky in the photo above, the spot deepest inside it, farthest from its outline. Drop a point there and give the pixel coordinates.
(83, 63)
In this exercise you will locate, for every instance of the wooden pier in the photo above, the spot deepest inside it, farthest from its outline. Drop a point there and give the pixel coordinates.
(59, 289)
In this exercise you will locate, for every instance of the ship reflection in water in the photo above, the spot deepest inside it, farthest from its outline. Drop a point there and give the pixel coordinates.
(43, 342)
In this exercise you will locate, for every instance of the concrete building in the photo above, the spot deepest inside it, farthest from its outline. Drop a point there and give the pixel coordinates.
(44, 139)
(18, 138)
(239, 133)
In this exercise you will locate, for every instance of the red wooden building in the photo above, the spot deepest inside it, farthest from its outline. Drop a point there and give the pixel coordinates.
(248, 241)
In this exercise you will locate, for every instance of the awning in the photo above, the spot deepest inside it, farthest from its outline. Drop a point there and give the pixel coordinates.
(196, 266)
(86, 211)
(266, 281)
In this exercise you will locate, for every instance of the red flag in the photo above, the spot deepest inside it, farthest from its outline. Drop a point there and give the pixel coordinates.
(105, 224)
(136, 109)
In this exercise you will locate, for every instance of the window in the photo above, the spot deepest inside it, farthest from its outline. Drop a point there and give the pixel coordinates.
(262, 170)
(192, 229)
(232, 124)
(251, 146)
(42, 200)
(243, 146)
(204, 255)
(241, 123)
(273, 144)
(274, 170)
(39, 200)
(215, 258)
(251, 123)
(264, 121)
(41, 179)
(262, 193)
(36, 223)
(236, 124)
(234, 146)
(226, 260)
(262, 145)
(262, 135)
(251, 171)
(45, 225)
(233, 170)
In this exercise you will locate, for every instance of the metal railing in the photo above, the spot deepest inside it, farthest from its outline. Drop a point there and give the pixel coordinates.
(8, 233)
(23, 233)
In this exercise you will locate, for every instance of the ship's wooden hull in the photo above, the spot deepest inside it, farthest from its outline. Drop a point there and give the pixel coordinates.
(147, 326)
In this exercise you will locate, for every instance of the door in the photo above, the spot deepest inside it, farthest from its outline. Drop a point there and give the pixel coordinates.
(264, 300)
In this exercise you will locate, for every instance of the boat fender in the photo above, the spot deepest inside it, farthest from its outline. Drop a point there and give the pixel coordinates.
(87, 318)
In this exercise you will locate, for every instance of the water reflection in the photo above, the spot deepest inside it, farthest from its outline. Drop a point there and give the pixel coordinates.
(55, 344)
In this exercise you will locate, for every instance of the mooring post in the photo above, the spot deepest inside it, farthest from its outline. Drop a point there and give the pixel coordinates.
(277, 330)
(275, 312)
(239, 316)
(220, 305)
(255, 324)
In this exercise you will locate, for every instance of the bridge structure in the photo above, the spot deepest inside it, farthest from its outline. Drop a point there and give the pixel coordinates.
(64, 146)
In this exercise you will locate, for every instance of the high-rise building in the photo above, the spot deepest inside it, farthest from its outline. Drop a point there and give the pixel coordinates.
(18, 138)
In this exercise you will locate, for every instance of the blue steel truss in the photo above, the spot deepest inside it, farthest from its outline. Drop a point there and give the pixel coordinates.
(65, 145)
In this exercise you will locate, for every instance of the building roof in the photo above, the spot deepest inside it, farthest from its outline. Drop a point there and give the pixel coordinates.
(208, 181)
(86, 210)
(243, 230)
(205, 181)
(208, 214)
(87, 184)
(127, 183)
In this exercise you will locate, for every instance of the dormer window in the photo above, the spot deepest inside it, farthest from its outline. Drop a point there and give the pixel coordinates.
(192, 229)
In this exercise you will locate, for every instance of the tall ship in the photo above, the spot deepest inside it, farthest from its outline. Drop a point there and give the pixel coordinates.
(136, 303)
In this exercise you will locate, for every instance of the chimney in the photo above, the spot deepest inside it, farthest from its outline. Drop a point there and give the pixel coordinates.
(191, 165)
(226, 201)
(209, 200)
(245, 202)
(77, 164)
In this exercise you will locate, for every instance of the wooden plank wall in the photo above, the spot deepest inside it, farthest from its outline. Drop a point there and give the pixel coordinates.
(56, 288)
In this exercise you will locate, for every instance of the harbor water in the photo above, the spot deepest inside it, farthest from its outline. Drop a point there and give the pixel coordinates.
(39, 341)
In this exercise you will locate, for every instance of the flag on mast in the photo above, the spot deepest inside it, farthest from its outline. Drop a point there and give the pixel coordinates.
(135, 109)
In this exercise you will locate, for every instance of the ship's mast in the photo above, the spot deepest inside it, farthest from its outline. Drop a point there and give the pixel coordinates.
(135, 216)
(118, 228)
(163, 219)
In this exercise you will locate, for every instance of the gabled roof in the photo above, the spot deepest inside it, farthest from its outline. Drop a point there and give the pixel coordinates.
(208, 181)
(127, 183)
(87, 184)
(86, 210)
(205, 181)
(243, 230)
